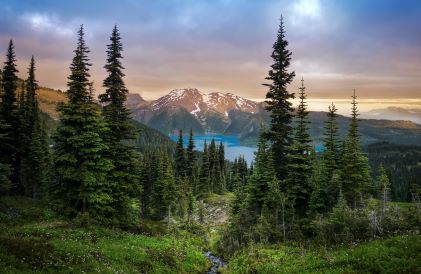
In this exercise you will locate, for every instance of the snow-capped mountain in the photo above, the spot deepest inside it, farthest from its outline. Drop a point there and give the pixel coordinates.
(226, 113)
(199, 104)
(189, 108)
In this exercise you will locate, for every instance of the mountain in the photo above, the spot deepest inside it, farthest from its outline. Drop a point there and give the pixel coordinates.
(190, 108)
(395, 113)
(147, 140)
(226, 113)
(229, 114)
(134, 100)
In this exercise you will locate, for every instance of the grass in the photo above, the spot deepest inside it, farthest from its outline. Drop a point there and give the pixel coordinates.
(398, 254)
(34, 240)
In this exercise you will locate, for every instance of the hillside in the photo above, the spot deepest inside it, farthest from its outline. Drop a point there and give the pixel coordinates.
(148, 138)
(35, 239)
(48, 99)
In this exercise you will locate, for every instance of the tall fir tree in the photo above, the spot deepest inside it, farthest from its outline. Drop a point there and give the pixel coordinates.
(355, 173)
(149, 175)
(383, 187)
(34, 151)
(5, 171)
(124, 176)
(216, 179)
(279, 104)
(330, 159)
(180, 157)
(80, 165)
(203, 184)
(297, 184)
(256, 206)
(164, 192)
(9, 119)
(326, 181)
(191, 160)
(331, 143)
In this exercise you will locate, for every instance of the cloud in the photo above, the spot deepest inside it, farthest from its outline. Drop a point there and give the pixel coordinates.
(307, 8)
(46, 24)
(302, 12)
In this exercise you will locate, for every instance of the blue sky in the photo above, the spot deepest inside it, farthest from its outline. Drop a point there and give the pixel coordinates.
(224, 45)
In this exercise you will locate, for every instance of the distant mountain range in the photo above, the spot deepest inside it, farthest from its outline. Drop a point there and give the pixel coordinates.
(229, 114)
(395, 113)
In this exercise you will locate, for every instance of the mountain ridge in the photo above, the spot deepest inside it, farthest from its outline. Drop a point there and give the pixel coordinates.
(220, 115)
(230, 114)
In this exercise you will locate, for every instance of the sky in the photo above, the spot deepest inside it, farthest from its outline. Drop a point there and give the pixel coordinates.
(225, 45)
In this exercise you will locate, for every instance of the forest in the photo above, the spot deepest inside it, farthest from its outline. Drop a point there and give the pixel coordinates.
(96, 191)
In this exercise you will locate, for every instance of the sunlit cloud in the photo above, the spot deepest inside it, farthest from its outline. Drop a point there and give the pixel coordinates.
(303, 11)
(47, 24)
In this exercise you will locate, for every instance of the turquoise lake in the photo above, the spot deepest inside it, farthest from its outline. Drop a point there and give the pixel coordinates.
(231, 143)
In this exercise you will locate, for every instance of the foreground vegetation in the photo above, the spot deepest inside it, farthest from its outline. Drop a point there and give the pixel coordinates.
(398, 254)
(34, 239)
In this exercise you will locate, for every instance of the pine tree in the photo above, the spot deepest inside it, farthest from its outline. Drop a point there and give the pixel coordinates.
(34, 159)
(355, 174)
(297, 184)
(124, 178)
(4, 167)
(79, 163)
(221, 157)
(191, 161)
(149, 175)
(217, 185)
(260, 198)
(203, 187)
(180, 158)
(164, 189)
(9, 119)
(222, 168)
(384, 189)
(330, 161)
(327, 182)
(278, 104)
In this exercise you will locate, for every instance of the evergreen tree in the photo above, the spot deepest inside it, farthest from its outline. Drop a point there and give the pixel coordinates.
(9, 119)
(222, 168)
(297, 184)
(278, 104)
(383, 189)
(149, 175)
(326, 183)
(257, 204)
(180, 157)
(5, 171)
(79, 163)
(221, 157)
(34, 159)
(330, 159)
(164, 190)
(191, 164)
(355, 174)
(203, 187)
(123, 177)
